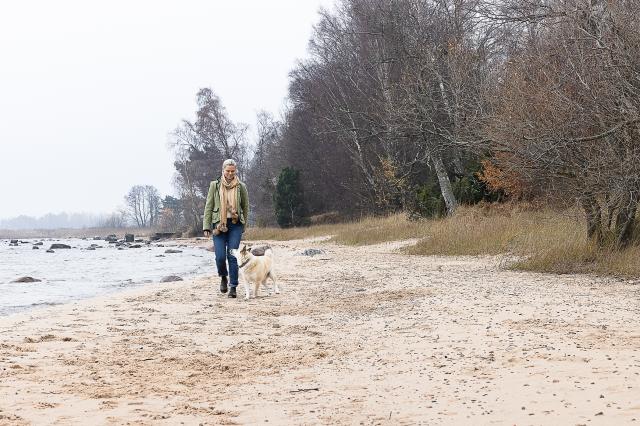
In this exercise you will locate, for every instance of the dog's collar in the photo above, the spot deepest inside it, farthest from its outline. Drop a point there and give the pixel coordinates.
(244, 263)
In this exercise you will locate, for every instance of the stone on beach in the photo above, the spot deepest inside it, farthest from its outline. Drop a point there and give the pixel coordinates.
(312, 252)
(170, 279)
(26, 280)
(59, 246)
(172, 251)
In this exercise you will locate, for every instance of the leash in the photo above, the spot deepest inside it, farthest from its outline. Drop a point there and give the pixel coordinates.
(244, 263)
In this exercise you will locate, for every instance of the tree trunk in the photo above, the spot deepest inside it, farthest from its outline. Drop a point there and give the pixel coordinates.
(625, 223)
(445, 184)
(594, 219)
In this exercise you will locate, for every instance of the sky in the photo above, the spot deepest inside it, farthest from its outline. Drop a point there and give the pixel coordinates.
(90, 90)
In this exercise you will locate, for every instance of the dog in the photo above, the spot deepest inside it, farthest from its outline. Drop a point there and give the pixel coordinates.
(255, 269)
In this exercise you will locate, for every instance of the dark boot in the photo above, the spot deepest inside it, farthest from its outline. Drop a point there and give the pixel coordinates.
(232, 292)
(223, 284)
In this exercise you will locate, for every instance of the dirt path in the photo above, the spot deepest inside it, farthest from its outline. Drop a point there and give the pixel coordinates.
(359, 336)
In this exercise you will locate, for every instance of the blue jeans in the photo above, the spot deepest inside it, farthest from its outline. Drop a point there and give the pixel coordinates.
(222, 244)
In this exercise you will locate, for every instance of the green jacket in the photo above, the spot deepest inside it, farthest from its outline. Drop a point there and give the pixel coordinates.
(212, 208)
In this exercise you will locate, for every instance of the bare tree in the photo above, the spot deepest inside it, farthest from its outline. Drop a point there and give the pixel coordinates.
(568, 107)
(200, 147)
(143, 204)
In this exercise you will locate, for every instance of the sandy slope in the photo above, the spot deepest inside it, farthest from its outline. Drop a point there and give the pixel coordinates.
(359, 336)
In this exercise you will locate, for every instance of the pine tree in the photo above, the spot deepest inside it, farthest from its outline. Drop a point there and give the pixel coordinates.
(288, 199)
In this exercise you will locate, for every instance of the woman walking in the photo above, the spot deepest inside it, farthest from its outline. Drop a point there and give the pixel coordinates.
(226, 212)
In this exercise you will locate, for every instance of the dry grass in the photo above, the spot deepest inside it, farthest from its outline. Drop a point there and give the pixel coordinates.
(279, 234)
(480, 231)
(544, 240)
(370, 230)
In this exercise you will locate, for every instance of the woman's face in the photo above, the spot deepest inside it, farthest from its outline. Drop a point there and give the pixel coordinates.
(229, 172)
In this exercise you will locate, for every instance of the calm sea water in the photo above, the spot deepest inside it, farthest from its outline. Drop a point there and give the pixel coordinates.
(78, 273)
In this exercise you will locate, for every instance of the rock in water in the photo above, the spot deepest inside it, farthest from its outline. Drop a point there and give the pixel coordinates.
(50, 251)
(170, 279)
(59, 246)
(26, 280)
(35, 247)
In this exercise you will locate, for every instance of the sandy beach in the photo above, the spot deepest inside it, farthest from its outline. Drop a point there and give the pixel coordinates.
(360, 335)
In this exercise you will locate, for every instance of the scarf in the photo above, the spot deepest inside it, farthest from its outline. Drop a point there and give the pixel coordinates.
(228, 203)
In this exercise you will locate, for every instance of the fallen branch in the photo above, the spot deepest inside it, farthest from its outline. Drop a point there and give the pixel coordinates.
(305, 390)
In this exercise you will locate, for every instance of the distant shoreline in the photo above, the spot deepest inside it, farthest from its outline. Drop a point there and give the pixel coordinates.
(73, 232)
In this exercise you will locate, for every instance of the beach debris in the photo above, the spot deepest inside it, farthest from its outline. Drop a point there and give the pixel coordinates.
(45, 338)
(39, 243)
(26, 280)
(172, 251)
(135, 246)
(97, 238)
(171, 278)
(13, 241)
(35, 247)
(56, 246)
(128, 238)
(111, 238)
(50, 251)
(304, 390)
(312, 252)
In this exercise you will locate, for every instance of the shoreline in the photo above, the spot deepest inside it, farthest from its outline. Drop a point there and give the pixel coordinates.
(359, 334)
(86, 269)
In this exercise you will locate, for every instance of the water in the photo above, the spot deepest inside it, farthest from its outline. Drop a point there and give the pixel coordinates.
(78, 273)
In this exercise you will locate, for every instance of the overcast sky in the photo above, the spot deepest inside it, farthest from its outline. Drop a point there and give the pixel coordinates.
(89, 90)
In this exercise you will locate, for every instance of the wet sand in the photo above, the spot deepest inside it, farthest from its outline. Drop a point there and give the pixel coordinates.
(359, 336)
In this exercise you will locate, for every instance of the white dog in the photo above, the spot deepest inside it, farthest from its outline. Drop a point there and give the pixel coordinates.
(255, 269)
